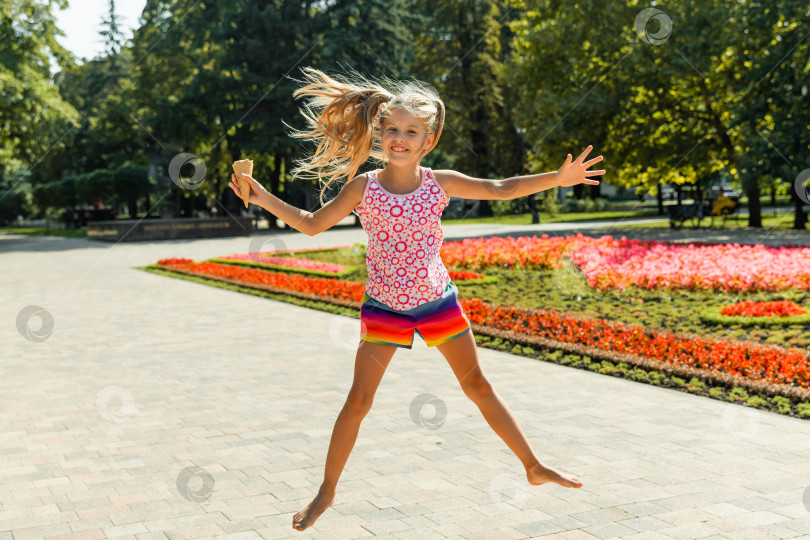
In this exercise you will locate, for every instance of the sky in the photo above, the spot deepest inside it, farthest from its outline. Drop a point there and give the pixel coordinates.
(82, 19)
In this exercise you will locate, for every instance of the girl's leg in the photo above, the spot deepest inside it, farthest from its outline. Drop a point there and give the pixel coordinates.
(462, 355)
(369, 366)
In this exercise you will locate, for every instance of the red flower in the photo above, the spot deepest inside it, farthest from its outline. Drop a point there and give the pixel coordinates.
(763, 309)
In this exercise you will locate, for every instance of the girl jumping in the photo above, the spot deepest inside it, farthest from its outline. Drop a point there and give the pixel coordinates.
(400, 205)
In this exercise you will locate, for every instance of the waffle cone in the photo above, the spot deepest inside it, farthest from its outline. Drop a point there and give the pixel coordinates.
(239, 167)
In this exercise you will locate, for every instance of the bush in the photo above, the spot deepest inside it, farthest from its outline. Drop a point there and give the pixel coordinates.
(502, 208)
(782, 404)
(757, 401)
(549, 204)
(131, 182)
(803, 409)
(695, 385)
(677, 381)
(638, 374)
(656, 377)
(716, 392)
(737, 394)
(607, 367)
(568, 359)
(584, 205)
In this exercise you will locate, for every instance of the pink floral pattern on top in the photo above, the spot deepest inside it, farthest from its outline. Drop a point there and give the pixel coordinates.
(404, 239)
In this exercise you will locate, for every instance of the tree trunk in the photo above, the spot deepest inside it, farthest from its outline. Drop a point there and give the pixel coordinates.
(532, 203)
(800, 216)
(754, 207)
(275, 179)
(660, 199)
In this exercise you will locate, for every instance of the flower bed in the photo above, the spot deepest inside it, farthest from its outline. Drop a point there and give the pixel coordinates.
(758, 367)
(610, 263)
(285, 262)
(762, 313)
(272, 281)
(770, 369)
(763, 309)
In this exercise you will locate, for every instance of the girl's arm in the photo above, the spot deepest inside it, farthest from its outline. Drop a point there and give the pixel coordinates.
(296, 218)
(309, 223)
(456, 184)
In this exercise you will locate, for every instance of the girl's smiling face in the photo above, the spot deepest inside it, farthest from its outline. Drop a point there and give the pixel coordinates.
(404, 136)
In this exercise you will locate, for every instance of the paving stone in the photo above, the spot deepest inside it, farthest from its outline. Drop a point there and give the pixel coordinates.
(656, 463)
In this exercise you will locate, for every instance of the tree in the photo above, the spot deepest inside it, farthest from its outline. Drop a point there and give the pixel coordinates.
(671, 109)
(462, 52)
(35, 116)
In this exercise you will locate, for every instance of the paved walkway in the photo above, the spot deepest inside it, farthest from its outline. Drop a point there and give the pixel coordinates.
(159, 408)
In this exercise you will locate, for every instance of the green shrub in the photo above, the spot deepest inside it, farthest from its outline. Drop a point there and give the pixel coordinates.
(527, 351)
(677, 381)
(517, 349)
(638, 374)
(737, 394)
(803, 409)
(656, 377)
(549, 205)
(716, 392)
(782, 404)
(695, 385)
(607, 367)
(584, 205)
(757, 401)
(568, 359)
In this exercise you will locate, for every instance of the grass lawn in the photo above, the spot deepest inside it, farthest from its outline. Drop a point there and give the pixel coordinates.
(42, 231)
(780, 221)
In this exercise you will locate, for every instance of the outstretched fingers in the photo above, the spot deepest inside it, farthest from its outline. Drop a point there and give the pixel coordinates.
(590, 162)
(585, 153)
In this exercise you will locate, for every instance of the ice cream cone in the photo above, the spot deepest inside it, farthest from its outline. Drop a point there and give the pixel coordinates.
(239, 167)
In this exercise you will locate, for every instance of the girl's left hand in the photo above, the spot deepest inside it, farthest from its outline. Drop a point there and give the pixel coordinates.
(571, 174)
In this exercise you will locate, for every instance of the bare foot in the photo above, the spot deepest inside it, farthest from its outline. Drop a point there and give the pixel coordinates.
(305, 518)
(541, 474)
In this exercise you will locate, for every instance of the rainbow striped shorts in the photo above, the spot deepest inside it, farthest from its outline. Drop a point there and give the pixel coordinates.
(437, 321)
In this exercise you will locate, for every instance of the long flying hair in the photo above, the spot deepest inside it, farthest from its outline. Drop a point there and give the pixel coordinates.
(345, 117)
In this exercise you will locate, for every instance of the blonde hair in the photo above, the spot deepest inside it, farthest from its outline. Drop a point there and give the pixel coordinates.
(346, 117)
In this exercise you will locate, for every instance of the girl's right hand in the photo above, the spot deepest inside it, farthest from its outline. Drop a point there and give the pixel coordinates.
(257, 191)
